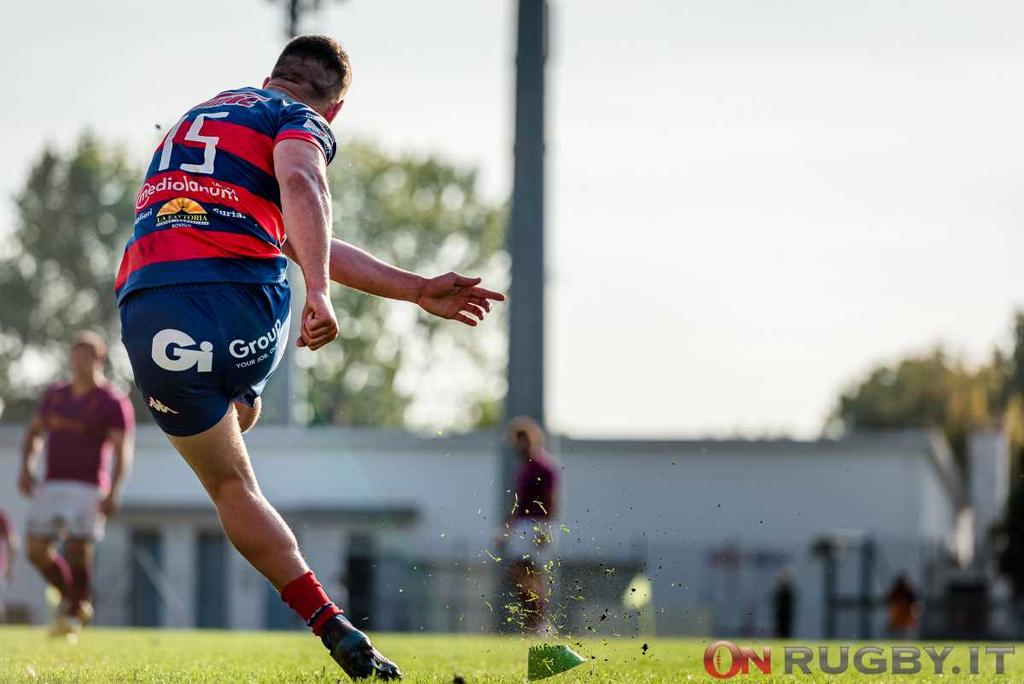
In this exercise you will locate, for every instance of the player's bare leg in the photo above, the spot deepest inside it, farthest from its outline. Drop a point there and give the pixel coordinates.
(220, 461)
(42, 553)
(248, 415)
(219, 458)
(530, 595)
(80, 559)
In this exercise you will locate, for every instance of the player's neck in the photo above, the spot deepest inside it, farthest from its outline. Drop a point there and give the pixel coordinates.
(284, 89)
(87, 383)
(295, 95)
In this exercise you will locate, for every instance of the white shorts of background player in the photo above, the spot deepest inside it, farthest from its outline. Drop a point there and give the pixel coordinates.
(66, 507)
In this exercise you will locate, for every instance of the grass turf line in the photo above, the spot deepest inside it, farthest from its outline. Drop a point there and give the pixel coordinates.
(143, 656)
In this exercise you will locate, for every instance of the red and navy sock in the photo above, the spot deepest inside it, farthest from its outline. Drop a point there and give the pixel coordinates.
(306, 596)
(81, 589)
(58, 574)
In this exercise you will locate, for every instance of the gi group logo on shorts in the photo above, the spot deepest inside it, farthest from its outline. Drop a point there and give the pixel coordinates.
(725, 660)
(172, 350)
(258, 350)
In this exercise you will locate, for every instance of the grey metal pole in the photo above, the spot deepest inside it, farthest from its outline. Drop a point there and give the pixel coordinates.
(830, 583)
(526, 228)
(526, 246)
(867, 585)
(286, 391)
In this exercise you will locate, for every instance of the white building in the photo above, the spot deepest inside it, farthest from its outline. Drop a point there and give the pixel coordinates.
(409, 521)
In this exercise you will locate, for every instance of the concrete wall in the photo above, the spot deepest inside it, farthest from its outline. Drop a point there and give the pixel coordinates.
(713, 522)
(988, 453)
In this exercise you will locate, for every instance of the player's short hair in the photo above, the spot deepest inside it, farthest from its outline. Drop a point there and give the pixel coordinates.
(318, 64)
(528, 428)
(92, 341)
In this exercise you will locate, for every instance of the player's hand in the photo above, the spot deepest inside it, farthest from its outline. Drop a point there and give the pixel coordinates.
(319, 325)
(458, 298)
(109, 505)
(26, 483)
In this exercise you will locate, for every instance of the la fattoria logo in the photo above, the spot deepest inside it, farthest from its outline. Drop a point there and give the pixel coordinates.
(182, 210)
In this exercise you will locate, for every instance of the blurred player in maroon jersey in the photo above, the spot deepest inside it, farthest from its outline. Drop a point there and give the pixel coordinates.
(526, 536)
(87, 423)
(8, 548)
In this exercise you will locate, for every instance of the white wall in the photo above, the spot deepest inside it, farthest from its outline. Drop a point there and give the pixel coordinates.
(670, 504)
(989, 455)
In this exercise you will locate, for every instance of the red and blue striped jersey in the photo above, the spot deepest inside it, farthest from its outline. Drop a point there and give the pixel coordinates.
(210, 207)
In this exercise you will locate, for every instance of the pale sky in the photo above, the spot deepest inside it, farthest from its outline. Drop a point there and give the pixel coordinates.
(749, 202)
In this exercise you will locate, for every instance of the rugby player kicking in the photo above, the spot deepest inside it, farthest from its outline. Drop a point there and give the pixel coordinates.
(238, 184)
(86, 422)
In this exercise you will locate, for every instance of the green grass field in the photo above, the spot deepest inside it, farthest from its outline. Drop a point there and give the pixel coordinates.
(102, 655)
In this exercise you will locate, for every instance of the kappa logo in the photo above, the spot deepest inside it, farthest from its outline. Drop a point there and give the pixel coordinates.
(160, 406)
(172, 351)
(318, 129)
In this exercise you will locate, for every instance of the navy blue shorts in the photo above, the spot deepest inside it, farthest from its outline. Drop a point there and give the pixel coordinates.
(197, 347)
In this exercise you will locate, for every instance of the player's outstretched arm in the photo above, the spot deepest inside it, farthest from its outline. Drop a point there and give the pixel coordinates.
(457, 297)
(30, 448)
(123, 443)
(13, 543)
(306, 205)
(450, 296)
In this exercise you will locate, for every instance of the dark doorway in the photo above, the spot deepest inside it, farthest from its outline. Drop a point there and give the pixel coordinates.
(211, 581)
(147, 560)
(360, 579)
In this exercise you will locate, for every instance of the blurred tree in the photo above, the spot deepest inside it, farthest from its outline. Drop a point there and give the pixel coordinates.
(424, 215)
(1008, 536)
(930, 391)
(72, 218)
(936, 391)
(1014, 366)
(1009, 533)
